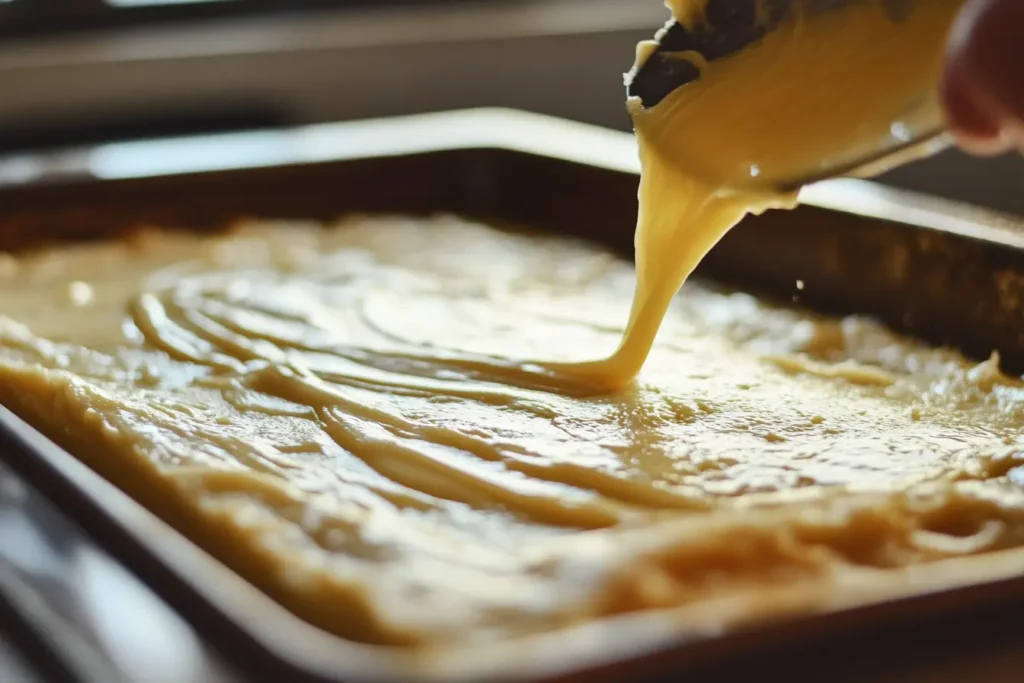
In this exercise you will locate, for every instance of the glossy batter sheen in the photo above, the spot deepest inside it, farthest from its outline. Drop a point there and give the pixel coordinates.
(357, 420)
(831, 85)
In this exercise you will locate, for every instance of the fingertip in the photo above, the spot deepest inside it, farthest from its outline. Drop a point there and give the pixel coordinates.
(1014, 136)
(983, 147)
(975, 128)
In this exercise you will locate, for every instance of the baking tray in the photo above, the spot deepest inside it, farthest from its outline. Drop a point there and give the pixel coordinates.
(70, 612)
(944, 272)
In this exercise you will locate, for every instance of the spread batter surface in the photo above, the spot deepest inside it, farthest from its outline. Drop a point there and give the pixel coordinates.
(369, 423)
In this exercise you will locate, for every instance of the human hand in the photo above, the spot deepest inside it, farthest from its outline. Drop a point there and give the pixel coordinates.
(983, 83)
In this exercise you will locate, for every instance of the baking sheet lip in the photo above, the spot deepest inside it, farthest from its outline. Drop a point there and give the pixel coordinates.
(329, 658)
(172, 549)
(467, 129)
(875, 200)
(480, 128)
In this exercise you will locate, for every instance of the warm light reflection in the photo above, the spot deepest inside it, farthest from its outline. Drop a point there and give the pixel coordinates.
(480, 128)
(147, 3)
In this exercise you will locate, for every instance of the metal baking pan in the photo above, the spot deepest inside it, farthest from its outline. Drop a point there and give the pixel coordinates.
(946, 273)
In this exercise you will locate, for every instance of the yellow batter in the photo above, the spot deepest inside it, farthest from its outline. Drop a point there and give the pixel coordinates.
(355, 420)
(822, 90)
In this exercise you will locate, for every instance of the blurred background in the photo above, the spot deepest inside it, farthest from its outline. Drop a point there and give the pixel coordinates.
(80, 71)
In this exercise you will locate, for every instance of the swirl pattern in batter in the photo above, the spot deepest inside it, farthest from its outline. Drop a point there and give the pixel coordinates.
(369, 422)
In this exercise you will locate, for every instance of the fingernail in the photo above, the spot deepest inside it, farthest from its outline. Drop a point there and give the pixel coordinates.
(986, 147)
(1014, 136)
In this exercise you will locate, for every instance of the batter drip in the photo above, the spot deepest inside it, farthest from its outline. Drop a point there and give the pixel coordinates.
(715, 150)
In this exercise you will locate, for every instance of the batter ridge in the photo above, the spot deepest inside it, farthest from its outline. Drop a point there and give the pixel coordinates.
(367, 421)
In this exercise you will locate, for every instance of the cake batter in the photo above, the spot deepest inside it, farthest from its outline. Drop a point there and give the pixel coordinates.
(714, 150)
(357, 421)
